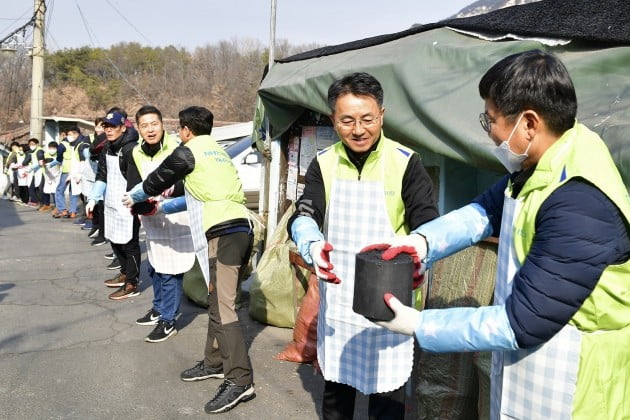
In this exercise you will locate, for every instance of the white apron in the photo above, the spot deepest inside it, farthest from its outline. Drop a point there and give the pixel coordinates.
(118, 218)
(350, 349)
(76, 186)
(23, 181)
(169, 244)
(536, 383)
(198, 234)
(88, 175)
(51, 178)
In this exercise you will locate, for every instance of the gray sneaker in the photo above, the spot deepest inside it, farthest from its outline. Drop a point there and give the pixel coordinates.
(200, 371)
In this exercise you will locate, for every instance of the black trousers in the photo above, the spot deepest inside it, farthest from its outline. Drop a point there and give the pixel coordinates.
(98, 216)
(339, 399)
(129, 254)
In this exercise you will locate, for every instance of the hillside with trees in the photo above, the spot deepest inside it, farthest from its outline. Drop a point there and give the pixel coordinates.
(85, 82)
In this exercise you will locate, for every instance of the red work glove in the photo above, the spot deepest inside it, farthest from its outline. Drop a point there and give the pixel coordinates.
(320, 251)
(145, 208)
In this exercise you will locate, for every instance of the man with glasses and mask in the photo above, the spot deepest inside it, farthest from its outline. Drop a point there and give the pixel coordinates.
(365, 176)
(559, 329)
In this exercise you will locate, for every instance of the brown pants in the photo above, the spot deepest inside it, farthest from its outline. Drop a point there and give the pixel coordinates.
(228, 255)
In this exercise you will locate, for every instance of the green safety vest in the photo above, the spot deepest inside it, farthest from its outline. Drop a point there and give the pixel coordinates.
(66, 165)
(34, 160)
(139, 157)
(604, 317)
(215, 182)
(387, 163)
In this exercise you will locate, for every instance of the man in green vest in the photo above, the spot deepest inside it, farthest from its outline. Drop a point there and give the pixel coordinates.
(221, 232)
(559, 329)
(361, 188)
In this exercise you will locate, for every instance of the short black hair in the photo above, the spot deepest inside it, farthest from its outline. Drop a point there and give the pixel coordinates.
(15, 143)
(532, 80)
(74, 128)
(148, 109)
(359, 84)
(198, 119)
(34, 140)
(98, 120)
(53, 144)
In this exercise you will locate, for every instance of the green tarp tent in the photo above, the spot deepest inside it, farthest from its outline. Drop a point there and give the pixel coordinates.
(430, 75)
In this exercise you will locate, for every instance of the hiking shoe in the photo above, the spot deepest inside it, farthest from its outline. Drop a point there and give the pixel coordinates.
(117, 281)
(162, 331)
(93, 233)
(200, 371)
(114, 265)
(228, 396)
(151, 318)
(126, 291)
(109, 256)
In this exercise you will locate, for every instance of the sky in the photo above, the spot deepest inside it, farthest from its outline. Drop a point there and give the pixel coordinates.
(196, 23)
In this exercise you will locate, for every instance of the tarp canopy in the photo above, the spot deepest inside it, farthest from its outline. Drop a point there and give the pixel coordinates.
(430, 75)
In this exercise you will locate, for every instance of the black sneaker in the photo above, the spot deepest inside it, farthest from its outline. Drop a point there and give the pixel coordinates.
(151, 318)
(99, 241)
(109, 256)
(228, 396)
(93, 232)
(114, 265)
(162, 331)
(200, 371)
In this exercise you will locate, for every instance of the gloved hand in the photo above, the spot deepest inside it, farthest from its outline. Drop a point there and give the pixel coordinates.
(89, 207)
(415, 245)
(136, 195)
(147, 208)
(320, 251)
(406, 319)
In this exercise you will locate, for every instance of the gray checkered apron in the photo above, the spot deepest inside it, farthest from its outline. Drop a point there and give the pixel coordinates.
(87, 176)
(169, 244)
(536, 383)
(74, 176)
(350, 349)
(118, 218)
(198, 234)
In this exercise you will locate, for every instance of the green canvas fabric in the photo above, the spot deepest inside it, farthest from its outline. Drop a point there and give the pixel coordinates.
(432, 103)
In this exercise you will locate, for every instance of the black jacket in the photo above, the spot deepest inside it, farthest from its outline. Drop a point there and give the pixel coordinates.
(123, 144)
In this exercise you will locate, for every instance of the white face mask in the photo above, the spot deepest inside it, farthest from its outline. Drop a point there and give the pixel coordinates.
(52, 152)
(71, 138)
(513, 162)
(31, 147)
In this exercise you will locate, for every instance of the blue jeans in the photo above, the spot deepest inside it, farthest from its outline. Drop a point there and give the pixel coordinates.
(60, 199)
(167, 293)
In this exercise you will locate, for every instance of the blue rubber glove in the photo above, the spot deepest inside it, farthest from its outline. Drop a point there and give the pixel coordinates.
(53, 163)
(174, 205)
(304, 232)
(98, 191)
(454, 231)
(453, 329)
(136, 195)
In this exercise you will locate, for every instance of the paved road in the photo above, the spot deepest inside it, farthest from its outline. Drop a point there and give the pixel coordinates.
(67, 352)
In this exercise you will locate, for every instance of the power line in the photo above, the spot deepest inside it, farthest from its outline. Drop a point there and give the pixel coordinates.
(130, 23)
(122, 75)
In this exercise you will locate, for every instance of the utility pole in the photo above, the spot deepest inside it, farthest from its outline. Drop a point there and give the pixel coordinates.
(37, 85)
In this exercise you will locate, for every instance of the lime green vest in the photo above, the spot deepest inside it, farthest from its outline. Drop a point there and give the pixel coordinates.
(33, 154)
(140, 158)
(215, 182)
(604, 317)
(387, 164)
(66, 165)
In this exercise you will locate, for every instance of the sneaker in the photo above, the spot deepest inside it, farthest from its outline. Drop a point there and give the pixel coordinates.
(200, 371)
(109, 256)
(79, 221)
(228, 396)
(114, 265)
(99, 241)
(127, 290)
(93, 233)
(117, 281)
(162, 331)
(151, 318)
(59, 215)
(87, 225)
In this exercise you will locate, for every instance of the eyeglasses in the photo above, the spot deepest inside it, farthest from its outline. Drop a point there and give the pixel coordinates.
(485, 121)
(366, 122)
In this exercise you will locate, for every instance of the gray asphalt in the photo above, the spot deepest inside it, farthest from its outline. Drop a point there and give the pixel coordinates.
(67, 352)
